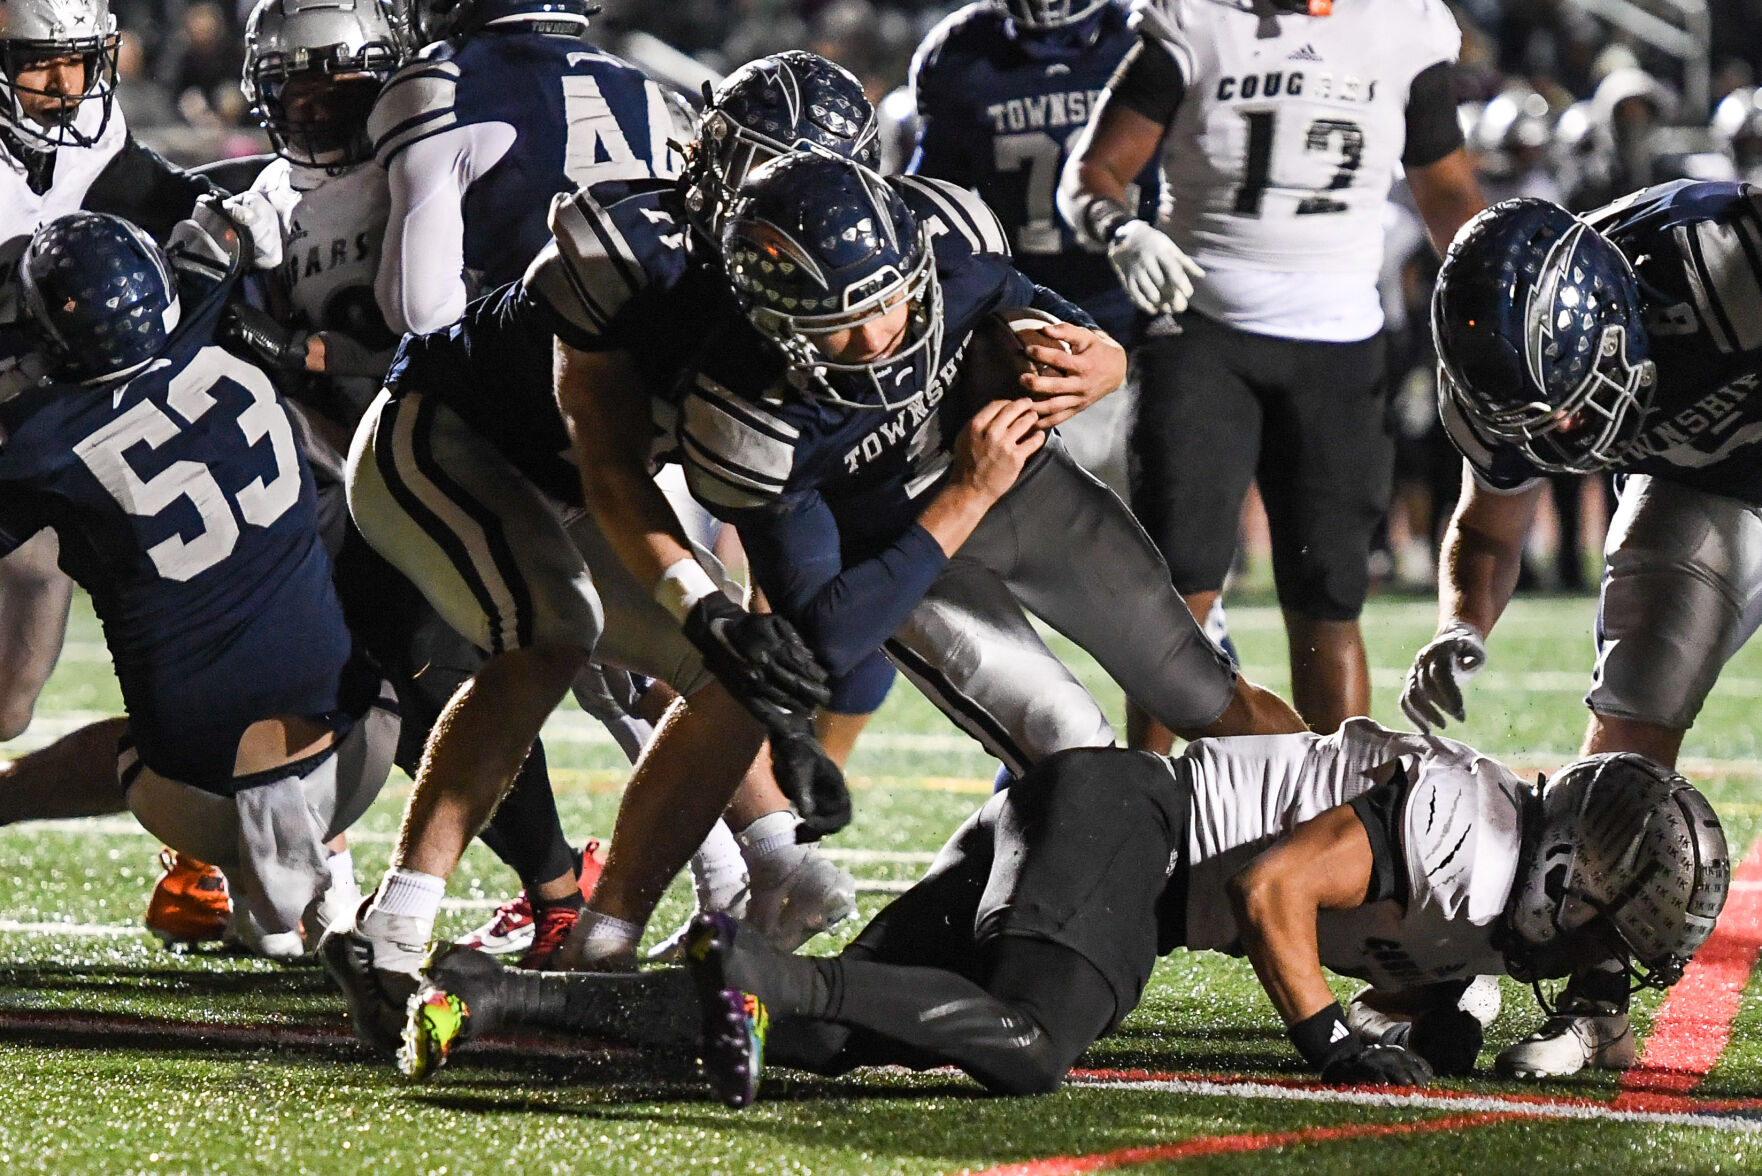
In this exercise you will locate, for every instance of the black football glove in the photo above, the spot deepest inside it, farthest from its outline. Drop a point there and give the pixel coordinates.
(1377, 1065)
(809, 778)
(1449, 1039)
(759, 657)
(263, 339)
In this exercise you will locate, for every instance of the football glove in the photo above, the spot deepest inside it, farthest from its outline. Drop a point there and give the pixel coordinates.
(1156, 274)
(1434, 684)
(809, 778)
(263, 339)
(265, 218)
(759, 657)
(1378, 1065)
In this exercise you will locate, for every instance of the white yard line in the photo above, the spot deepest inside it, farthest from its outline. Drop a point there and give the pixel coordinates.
(1713, 1120)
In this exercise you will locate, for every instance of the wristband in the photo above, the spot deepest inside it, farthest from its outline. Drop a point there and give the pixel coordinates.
(1323, 1037)
(681, 586)
(1102, 217)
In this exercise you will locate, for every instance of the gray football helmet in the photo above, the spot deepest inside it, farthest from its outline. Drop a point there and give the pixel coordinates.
(1623, 850)
(36, 31)
(1050, 14)
(312, 71)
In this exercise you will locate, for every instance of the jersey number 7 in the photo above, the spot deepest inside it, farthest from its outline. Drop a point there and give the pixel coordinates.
(258, 504)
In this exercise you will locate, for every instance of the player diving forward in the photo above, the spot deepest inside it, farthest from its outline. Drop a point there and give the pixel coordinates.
(170, 473)
(1628, 341)
(1410, 861)
(881, 502)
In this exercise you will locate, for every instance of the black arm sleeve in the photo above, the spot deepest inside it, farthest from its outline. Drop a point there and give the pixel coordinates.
(140, 186)
(1148, 81)
(1380, 811)
(1432, 129)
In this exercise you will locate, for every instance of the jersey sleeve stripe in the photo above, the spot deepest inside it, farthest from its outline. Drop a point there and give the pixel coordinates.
(614, 246)
(983, 231)
(410, 133)
(1730, 280)
(1689, 241)
(749, 414)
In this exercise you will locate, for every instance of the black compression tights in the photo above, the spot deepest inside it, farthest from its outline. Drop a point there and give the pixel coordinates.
(1040, 1007)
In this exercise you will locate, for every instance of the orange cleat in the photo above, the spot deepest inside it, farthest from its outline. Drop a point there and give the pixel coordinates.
(190, 904)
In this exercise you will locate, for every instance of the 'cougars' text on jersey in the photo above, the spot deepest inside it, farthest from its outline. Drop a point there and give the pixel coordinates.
(184, 508)
(998, 110)
(1697, 250)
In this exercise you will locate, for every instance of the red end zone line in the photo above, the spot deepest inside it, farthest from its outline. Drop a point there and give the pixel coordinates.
(1694, 1023)
(1216, 1145)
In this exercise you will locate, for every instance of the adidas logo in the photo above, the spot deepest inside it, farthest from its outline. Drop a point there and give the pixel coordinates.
(1307, 53)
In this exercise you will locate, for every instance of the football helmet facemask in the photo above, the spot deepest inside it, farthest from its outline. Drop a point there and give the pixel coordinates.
(1051, 14)
(790, 101)
(1620, 855)
(36, 32)
(817, 245)
(312, 71)
(1538, 322)
(100, 295)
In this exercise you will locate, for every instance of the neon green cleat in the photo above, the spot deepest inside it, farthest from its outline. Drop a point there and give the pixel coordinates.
(434, 1022)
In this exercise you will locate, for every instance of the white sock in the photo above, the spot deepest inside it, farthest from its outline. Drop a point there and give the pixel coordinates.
(718, 871)
(769, 845)
(600, 936)
(409, 893)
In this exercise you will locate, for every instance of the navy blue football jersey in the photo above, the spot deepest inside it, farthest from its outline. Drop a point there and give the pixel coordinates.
(1697, 250)
(184, 508)
(534, 115)
(999, 109)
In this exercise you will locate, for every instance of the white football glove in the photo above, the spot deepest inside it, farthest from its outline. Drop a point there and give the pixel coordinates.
(267, 217)
(1434, 684)
(1152, 268)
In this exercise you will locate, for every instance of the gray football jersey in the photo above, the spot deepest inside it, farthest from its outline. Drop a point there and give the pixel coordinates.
(1456, 837)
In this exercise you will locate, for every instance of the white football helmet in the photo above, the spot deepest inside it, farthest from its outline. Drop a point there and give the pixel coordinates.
(33, 32)
(312, 71)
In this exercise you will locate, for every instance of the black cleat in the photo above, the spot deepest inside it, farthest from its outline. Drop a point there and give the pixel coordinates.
(732, 1046)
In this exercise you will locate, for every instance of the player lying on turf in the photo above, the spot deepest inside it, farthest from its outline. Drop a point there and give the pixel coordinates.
(1409, 861)
(170, 474)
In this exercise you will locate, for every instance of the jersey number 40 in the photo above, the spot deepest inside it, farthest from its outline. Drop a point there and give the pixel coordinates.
(189, 395)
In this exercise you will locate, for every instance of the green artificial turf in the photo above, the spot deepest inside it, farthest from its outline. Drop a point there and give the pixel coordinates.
(120, 1057)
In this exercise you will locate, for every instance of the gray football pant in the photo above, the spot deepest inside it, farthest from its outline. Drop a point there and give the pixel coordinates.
(1063, 547)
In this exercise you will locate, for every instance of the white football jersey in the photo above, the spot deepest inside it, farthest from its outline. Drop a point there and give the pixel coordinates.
(76, 169)
(1283, 149)
(1456, 844)
(332, 253)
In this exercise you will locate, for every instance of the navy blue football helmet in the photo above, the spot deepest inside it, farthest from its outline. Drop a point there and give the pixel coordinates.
(1541, 342)
(790, 101)
(817, 244)
(440, 20)
(100, 295)
(1051, 14)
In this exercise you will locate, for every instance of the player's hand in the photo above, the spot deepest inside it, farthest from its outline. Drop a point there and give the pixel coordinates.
(809, 778)
(759, 657)
(995, 445)
(1069, 378)
(1434, 684)
(1378, 1065)
(253, 331)
(1152, 268)
(265, 218)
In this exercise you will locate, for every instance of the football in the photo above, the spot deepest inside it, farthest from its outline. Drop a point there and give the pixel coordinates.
(997, 354)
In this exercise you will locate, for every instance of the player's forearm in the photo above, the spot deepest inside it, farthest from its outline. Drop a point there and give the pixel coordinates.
(1448, 196)
(1481, 555)
(635, 517)
(1107, 157)
(1277, 929)
(954, 514)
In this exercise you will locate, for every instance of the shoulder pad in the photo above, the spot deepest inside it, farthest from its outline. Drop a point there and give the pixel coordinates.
(416, 103)
(1460, 837)
(936, 40)
(737, 455)
(953, 209)
(602, 254)
(1165, 23)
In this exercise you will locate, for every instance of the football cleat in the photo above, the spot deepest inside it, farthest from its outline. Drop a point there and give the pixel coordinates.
(814, 896)
(548, 933)
(190, 904)
(457, 1001)
(377, 977)
(1567, 1043)
(510, 929)
(734, 1023)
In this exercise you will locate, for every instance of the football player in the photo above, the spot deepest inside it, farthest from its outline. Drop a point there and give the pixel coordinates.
(313, 69)
(1002, 89)
(881, 502)
(1410, 861)
(507, 107)
(1628, 341)
(1281, 128)
(170, 473)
